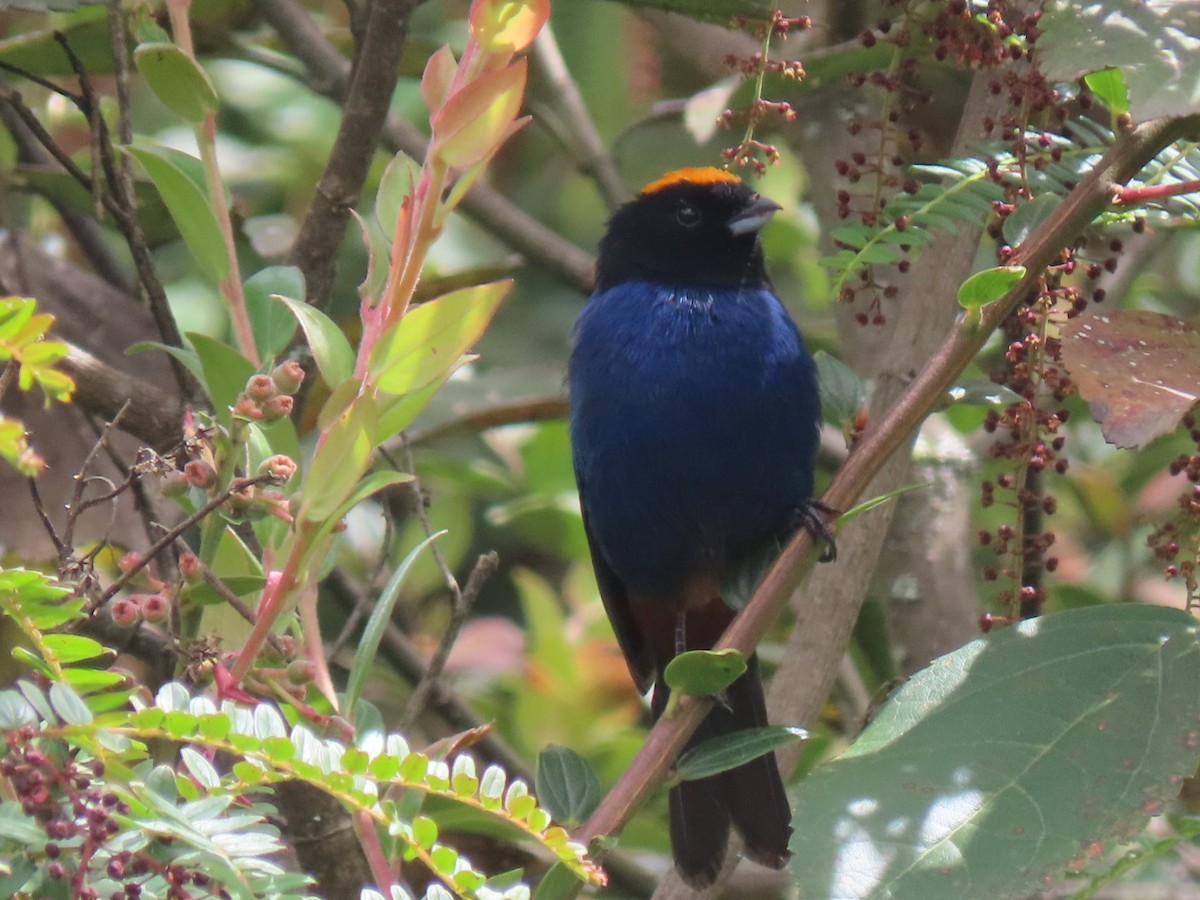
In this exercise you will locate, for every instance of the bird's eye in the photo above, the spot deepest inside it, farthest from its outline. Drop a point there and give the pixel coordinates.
(687, 215)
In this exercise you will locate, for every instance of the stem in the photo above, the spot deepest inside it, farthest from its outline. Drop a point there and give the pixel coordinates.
(1133, 196)
(206, 139)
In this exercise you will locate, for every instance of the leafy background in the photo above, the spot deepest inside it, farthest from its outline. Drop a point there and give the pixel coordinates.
(536, 655)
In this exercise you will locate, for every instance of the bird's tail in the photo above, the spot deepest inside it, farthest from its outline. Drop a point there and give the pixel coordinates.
(750, 797)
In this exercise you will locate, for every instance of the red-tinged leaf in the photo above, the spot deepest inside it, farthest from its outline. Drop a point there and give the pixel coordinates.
(507, 25)
(474, 119)
(1139, 371)
(438, 75)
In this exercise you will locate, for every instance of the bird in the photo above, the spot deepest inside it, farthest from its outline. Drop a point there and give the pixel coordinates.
(694, 419)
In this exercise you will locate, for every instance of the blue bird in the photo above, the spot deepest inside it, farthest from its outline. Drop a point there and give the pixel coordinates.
(694, 420)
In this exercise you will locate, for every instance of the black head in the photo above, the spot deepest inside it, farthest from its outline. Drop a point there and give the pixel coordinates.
(691, 227)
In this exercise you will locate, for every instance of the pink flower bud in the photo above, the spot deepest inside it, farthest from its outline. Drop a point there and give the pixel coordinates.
(288, 376)
(200, 474)
(301, 671)
(155, 607)
(246, 408)
(125, 611)
(128, 561)
(191, 568)
(279, 467)
(261, 388)
(241, 500)
(278, 407)
(174, 484)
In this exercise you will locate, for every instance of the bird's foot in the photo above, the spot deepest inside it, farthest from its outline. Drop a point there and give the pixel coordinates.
(812, 516)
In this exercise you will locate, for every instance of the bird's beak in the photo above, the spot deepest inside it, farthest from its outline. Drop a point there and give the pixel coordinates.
(753, 217)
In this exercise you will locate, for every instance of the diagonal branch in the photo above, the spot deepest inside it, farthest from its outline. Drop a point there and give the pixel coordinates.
(366, 90)
(1093, 194)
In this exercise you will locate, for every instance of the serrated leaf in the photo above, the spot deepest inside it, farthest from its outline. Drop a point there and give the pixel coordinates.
(720, 754)
(991, 771)
(177, 80)
(331, 350)
(189, 207)
(702, 673)
(988, 286)
(566, 785)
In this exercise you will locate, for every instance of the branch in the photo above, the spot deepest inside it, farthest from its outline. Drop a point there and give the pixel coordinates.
(153, 416)
(579, 133)
(1130, 153)
(366, 91)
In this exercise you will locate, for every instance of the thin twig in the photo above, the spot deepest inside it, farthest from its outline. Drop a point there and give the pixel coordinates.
(40, 507)
(589, 150)
(366, 92)
(484, 567)
(73, 507)
(239, 484)
(537, 409)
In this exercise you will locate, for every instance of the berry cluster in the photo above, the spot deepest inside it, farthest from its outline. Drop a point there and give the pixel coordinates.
(1176, 542)
(68, 800)
(750, 151)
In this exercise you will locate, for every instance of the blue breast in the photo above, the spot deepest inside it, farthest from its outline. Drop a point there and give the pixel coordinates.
(694, 417)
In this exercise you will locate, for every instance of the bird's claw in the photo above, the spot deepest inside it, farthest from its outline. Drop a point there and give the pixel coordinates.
(811, 516)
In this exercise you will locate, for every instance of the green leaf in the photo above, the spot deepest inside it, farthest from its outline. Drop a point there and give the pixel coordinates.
(381, 616)
(177, 80)
(991, 771)
(988, 286)
(720, 754)
(73, 648)
(68, 704)
(1109, 86)
(566, 785)
(702, 673)
(1026, 217)
(15, 711)
(842, 391)
(188, 205)
(224, 372)
(273, 326)
(331, 350)
(339, 462)
(558, 884)
(431, 337)
(870, 504)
